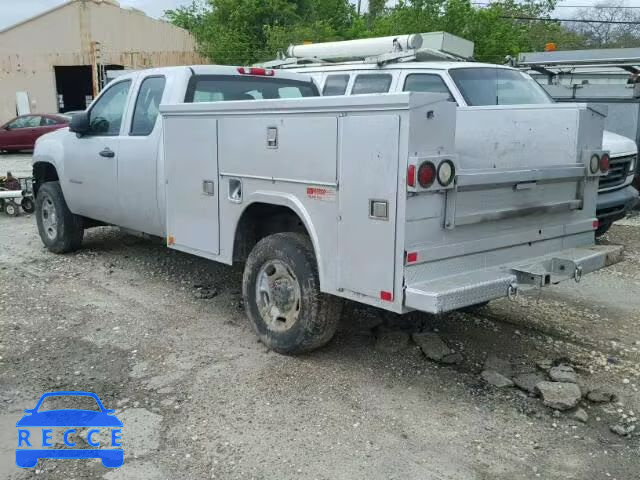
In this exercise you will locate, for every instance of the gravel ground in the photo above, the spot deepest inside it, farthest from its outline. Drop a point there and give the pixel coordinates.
(201, 398)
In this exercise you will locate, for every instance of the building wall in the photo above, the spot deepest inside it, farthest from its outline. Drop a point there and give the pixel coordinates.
(63, 36)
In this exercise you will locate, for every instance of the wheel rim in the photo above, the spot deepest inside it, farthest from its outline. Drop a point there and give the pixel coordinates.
(49, 218)
(10, 209)
(278, 295)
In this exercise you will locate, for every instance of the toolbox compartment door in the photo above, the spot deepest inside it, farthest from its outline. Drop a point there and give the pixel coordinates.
(192, 188)
(368, 165)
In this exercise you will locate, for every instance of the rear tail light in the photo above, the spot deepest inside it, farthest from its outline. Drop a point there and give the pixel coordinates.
(604, 163)
(261, 72)
(411, 176)
(594, 164)
(426, 174)
(446, 173)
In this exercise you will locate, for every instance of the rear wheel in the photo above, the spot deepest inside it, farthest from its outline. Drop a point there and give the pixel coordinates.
(28, 205)
(281, 291)
(60, 230)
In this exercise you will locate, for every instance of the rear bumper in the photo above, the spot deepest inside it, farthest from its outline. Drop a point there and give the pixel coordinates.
(615, 205)
(479, 286)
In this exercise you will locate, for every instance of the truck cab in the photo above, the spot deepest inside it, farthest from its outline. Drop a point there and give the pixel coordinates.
(110, 164)
(357, 71)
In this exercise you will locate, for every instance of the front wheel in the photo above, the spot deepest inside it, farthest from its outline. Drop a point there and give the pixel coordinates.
(12, 209)
(60, 230)
(281, 291)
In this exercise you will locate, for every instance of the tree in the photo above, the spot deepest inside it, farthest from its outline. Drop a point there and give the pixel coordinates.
(247, 31)
(601, 33)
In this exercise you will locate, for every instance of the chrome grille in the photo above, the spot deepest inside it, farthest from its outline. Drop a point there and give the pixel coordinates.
(618, 172)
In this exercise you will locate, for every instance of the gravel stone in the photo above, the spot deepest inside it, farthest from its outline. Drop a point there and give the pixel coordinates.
(499, 365)
(563, 373)
(496, 379)
(528, 381)
(453, 359)
(581, 415)
(432, 346)
(600, 395)
(544, 365)
(559, 395)
(622, 430)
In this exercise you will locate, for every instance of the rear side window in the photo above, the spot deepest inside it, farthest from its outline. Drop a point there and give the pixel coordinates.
(335, 85)
(221, 88)
(426, 82)
(372, 83)
(46, 122)
(147, 106)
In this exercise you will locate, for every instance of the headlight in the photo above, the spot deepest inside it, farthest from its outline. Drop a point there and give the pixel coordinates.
(632, 165)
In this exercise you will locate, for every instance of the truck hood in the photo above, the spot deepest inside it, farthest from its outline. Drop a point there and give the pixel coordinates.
(618, 145)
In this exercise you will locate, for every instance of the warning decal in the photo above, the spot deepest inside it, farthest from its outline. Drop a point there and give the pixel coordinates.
(326, 194)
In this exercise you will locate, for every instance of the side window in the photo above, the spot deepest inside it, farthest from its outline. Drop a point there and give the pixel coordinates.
(106, 115)
(46, 122)
(426, 82)
(147, 106)
(19, 122)
(371, 83)
(335, 85)
(33, 121)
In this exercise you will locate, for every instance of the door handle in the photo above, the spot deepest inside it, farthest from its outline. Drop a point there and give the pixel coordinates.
(107, 153)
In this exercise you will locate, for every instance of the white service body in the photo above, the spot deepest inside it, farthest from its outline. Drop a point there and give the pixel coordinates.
(519, 212)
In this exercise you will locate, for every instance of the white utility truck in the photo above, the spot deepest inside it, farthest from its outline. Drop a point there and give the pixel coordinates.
(436, 62)
(323, 198)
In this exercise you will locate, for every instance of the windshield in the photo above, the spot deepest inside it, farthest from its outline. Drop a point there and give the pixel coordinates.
(498, 86)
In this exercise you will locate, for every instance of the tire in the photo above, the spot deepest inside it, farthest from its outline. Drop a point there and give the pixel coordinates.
(282, 272)
(27, 205)
(60, 230)
(11, 208)
(603, 228)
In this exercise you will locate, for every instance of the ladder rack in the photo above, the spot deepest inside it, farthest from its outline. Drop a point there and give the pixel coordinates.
(422, 47)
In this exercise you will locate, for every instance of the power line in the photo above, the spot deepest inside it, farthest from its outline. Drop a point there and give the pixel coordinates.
(616, 22)
(595, 7)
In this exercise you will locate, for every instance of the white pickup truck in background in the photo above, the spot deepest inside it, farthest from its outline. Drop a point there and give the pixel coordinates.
(433, 62)
(323, 198)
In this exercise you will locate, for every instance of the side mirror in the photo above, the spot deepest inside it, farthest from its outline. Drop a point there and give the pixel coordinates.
(79, 123)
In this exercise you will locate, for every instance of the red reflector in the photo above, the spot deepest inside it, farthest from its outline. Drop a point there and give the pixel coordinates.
(426, 174)
(596, 224)
(412, 257)
(411, 176)
(386, 296)
(604, 162)
(262, 72)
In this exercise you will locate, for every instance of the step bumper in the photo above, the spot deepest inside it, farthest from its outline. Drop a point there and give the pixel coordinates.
(471, 288)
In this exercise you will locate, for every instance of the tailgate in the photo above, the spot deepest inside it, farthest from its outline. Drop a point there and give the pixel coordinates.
(522, 191)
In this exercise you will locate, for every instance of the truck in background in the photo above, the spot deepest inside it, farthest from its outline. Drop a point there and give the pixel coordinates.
(606, 76)
(329, 198)
(437, 62)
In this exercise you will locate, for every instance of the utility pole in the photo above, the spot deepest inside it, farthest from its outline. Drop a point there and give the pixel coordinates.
(95, 74)
(359, 6)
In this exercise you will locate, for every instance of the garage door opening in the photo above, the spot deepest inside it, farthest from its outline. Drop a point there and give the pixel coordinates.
(74, 87)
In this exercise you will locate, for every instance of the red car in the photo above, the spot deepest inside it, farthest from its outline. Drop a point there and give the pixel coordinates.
(22, 132)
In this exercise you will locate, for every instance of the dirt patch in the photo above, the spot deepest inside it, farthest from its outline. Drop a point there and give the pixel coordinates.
(123, 318)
